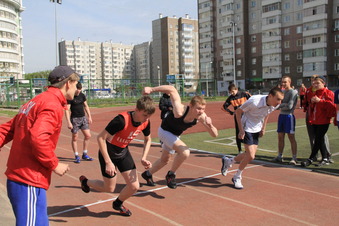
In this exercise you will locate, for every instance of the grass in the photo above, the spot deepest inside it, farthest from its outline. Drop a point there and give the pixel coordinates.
(268, 145)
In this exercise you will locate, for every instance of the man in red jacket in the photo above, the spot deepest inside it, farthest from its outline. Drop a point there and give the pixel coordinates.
(35, 131)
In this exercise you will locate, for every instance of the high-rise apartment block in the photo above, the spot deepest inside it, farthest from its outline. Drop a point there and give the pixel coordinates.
(175, 50)
(256, 42)
(11, 47)
(100, 62)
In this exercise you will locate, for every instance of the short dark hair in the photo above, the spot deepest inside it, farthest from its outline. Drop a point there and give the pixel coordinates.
(232, 87)
(146, 103)
(79, 85)
(275, 90)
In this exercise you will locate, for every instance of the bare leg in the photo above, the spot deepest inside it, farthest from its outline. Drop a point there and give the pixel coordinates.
(249, 155)
(87, 136)
(281, 143)
(160, 163)
(132, 184)
(183, 153)
(74, 142)
(291, 137)
(107, 185)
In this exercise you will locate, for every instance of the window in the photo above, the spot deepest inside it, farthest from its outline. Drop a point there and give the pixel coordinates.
(287, 31)
(254, 49)
(287, 57)
(254, 72)
(299, 55)
(336, 52)
(299, 29)
(238, 50)
(287, 44)
(316, 39)
(253, 38)
(336, 66)
(299, 42)
(336, 38)
(287, 70)
(238, 40)
(239, 62)
(337, 9)
(299, 69)
(254, 61)
(239, 73)
(287, 18)
(287, 5)
(253, 4)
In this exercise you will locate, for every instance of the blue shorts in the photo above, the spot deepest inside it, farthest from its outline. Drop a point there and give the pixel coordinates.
(251, 138)
(29, 203)
(286, 124)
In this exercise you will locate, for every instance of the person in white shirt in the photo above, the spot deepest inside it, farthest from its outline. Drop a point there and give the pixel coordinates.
(252, 118)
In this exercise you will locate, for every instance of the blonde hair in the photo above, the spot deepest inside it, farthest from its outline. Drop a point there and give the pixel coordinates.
(197, 100)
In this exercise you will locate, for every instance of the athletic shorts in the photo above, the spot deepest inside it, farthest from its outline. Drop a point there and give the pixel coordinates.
(286, 124)
(251, 138)
(168, 139)
(123, 164)
(29, 203)
(79, 123)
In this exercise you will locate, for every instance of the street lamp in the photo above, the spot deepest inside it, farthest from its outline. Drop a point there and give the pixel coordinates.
(158, 67)
(210, 63)
(233, 24)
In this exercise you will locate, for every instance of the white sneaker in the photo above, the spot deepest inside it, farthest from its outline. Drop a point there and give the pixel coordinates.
(237, 182)
(293, 162)
(226, 163)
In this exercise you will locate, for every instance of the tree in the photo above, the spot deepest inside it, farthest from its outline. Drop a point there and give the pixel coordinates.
(39, 74)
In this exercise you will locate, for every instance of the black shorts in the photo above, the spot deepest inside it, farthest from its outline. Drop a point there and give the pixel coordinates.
(251, 138)
(123, 164)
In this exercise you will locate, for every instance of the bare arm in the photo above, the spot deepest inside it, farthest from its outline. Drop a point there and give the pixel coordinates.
(88, 112)
(178, 107)
(238, 114)
(147, 144)
(207, 122)
(68, 116)
(262, 132)
(110, 167)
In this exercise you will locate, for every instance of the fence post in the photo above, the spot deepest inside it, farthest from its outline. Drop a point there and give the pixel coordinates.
(18, 93)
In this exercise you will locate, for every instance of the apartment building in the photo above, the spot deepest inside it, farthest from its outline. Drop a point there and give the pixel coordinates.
(101, 62)
(11, 44)
(175, 50)
(142, 56)
(254, 43)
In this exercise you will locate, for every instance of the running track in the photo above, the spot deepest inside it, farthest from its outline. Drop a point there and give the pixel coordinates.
(273, 195)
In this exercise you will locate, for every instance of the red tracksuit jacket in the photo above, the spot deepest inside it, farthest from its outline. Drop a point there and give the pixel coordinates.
(35, 131)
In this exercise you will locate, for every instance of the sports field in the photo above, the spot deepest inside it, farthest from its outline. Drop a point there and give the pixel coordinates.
(274, 194)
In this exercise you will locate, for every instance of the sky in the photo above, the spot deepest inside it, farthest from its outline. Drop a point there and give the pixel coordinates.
(125, 21)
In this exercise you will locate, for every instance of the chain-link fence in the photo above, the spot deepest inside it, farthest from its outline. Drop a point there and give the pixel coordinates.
(14, 93)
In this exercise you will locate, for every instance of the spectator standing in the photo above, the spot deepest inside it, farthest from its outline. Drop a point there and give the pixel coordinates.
(34, 133)
(173, 125)
(76, 120)
(321, 109)
(252, 118)
(302, 92)
(165, 105)
(236, 99)
(286, 120)
(310, 129)
(114, 154)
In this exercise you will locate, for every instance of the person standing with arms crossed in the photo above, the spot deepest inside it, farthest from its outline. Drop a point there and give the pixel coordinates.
(114, 153)
(34, 133)
(173, 125)
(236, 99)
(76, 120)
(286, 120)
(252, 118)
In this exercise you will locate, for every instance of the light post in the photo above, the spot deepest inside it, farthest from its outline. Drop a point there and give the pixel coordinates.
(158, 67)
(210, 63)
(233, 24)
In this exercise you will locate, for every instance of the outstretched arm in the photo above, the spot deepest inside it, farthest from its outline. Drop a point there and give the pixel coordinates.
(178, 107)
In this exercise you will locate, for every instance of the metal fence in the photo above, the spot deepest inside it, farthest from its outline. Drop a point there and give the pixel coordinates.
(14, 93)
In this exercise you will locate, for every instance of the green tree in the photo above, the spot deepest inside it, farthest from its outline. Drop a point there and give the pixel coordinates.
(39, 74)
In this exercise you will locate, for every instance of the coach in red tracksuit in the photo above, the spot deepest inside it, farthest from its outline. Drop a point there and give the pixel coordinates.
(320, 105)
(34, 133)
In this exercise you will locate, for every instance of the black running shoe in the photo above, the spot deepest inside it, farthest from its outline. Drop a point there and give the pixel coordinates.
(123, 210)
(149, 179)
(170, 179)
(306, 163)
(83, 180)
